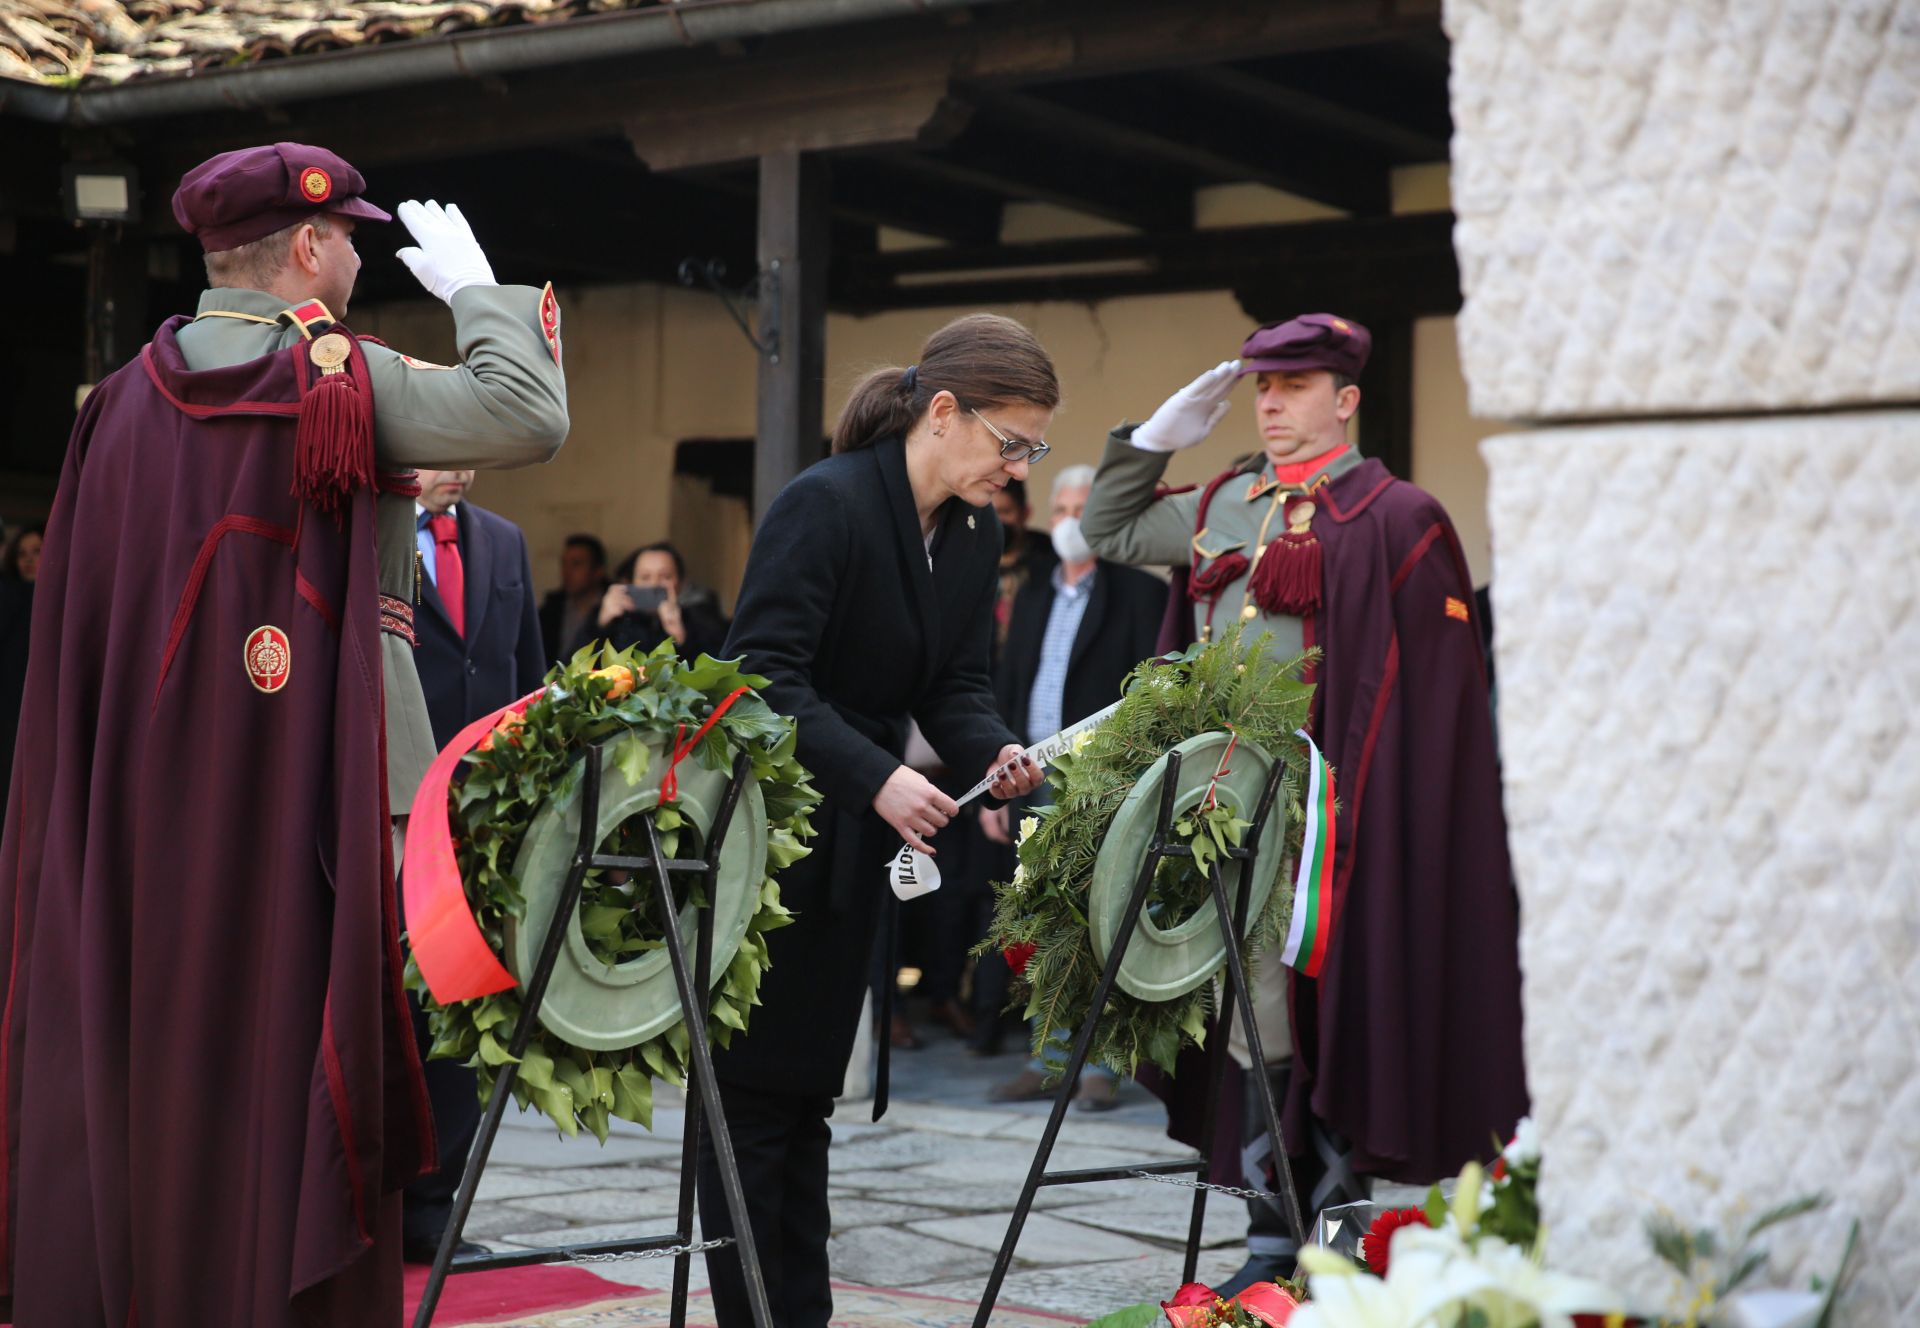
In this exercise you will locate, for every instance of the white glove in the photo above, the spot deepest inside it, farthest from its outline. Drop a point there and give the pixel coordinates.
(1189, 415)
(448, 258)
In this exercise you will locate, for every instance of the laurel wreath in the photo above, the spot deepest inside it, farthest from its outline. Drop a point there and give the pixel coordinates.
(531, 761)
(1041, 913)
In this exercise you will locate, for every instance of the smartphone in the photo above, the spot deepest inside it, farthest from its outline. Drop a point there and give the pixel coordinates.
(646, 599)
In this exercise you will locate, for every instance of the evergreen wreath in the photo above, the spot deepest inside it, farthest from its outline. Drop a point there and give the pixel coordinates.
(530, 761)
(1040, 916)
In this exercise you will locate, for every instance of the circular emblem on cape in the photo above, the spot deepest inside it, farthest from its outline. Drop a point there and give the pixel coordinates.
(316, 184)
(1300, 516)
(269, 658)
(331, 351)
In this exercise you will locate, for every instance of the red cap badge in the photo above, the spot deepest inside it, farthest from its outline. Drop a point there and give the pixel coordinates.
(316, 184)
(269, 658)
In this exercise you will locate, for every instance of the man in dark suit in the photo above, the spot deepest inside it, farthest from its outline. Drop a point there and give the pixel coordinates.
(1072, 636)
(479, 648)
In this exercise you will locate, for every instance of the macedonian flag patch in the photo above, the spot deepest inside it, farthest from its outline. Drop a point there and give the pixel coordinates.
(1457, 608)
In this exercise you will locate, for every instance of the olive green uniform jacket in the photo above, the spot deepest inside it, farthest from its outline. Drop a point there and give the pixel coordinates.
(504, 405)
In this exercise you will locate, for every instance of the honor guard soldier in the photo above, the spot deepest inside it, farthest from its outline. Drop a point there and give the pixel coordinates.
(211, 1086)
(1402, 1057)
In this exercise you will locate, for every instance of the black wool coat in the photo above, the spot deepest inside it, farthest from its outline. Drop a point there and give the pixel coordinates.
(502, 657)
(1121, 624)
(856, 635)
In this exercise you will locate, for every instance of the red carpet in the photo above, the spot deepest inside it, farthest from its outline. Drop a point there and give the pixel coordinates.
(476, 1298)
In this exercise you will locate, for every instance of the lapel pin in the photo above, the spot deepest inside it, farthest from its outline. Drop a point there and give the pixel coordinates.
(970, 525)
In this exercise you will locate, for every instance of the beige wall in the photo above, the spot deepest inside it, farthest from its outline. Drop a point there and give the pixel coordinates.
(650, 366)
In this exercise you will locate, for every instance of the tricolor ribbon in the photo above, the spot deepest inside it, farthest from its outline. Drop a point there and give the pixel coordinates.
(1312, 925)
(447, 943)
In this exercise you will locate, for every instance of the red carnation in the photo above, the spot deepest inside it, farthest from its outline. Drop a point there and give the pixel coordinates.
(1016, 956)
(1499, 1168)
(1380, 1235)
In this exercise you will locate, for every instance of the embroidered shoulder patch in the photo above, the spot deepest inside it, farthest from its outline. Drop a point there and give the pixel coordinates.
(550, 321)
(1457, 608)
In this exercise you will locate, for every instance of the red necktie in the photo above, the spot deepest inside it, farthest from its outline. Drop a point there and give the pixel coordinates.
(449, 576)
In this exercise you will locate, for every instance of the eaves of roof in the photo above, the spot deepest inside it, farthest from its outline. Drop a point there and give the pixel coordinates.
(472, 54)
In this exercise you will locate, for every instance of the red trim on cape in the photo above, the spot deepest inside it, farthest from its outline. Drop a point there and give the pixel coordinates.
(1389, 682)
(1345, 514)
(1420, 547)
(315, 600)
(190, 593)
(208, 412)
(343, 1117)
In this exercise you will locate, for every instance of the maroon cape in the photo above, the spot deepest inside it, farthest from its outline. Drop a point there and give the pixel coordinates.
(208, 1075)
(1409, 1042)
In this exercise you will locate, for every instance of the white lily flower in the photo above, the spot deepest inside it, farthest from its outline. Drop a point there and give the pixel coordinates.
(1028, 824)
(1080, 741)
(1525, 1146)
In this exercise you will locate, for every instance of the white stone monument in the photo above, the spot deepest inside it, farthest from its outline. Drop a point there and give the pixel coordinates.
(1689, 239)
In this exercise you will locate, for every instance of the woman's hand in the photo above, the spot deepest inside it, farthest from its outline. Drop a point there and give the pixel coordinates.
(912, 805)
(1013, 773)
(614, 603)
(993, 824)
(670, 620)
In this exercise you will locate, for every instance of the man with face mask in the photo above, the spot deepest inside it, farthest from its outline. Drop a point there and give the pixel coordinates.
(1071, 638)
(1402, 1056)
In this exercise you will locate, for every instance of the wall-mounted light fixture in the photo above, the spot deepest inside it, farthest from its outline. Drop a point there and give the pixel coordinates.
(100, 191)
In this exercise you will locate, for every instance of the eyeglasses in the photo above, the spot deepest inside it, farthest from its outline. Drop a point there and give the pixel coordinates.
(1015, 449)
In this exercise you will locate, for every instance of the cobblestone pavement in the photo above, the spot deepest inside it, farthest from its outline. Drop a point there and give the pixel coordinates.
(920, 1200)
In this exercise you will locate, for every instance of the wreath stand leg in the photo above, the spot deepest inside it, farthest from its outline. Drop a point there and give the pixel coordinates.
(1234, 926)
(703, 1095)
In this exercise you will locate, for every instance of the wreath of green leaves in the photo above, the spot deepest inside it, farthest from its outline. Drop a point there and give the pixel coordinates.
(623, 696)
(1226, 686)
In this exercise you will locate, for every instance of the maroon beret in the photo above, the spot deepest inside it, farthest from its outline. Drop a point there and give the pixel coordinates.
(1311, 341)
(242, 196)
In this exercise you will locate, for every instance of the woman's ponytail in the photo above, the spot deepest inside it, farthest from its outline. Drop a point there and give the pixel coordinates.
(884, 403)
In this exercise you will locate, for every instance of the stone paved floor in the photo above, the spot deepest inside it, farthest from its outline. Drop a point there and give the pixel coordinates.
(920, 1200)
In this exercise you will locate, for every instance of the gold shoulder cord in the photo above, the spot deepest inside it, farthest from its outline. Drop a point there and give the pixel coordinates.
(245, 318)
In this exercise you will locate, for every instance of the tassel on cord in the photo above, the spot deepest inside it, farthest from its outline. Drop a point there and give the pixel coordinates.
(333, 442)
(1286, 579)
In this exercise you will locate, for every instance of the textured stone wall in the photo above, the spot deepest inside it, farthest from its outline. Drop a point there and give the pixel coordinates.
(1678, 205)
(1709, 631)
(1709, 665)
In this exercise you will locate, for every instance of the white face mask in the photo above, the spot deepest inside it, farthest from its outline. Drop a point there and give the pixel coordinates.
(1068, 542)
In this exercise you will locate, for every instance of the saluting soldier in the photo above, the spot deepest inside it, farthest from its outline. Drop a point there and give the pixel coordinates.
(1402, 1058)
(212, 1090)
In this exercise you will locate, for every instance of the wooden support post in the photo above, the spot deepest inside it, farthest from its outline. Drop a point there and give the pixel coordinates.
(116, 298)
(793, 305)
(1386, 395)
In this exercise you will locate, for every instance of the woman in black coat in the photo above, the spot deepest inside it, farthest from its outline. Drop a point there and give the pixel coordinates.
(868, 601)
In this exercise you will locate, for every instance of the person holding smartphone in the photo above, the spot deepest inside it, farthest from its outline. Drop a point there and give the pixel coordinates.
(868, 602)
(652, 601)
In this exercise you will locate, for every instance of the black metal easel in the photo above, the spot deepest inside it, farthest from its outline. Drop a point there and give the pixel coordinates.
(1233, 923)
(702, 1092)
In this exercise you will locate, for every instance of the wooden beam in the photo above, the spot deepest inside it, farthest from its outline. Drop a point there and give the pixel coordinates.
(866, 189)
(1143, 118)
(989, 160)
(116, 298)
(794, 194)
(1299, 114)
(1402, 263)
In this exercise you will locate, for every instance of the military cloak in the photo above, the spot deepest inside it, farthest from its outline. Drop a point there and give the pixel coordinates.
(210, 1084)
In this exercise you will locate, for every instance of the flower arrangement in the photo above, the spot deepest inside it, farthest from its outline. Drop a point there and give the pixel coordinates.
(1040, 916)
(1475, 1260)
(530, 761)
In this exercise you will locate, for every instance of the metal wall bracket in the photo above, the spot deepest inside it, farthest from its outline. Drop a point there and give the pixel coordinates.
(761, 295)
